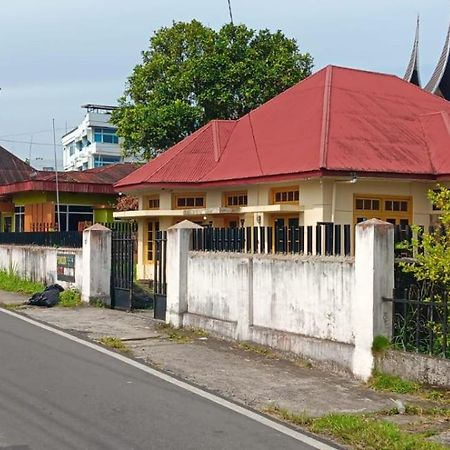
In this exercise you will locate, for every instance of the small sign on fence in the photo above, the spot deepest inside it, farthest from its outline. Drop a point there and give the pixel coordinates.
(65, 267)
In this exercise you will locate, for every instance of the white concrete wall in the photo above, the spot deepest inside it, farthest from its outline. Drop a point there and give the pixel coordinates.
(325, 308)
(39, 263)
(292, 303)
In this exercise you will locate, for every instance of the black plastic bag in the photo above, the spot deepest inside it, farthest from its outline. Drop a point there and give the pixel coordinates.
(49, 297)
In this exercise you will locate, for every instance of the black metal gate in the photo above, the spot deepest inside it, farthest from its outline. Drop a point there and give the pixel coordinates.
(159, 276)
(122, 267)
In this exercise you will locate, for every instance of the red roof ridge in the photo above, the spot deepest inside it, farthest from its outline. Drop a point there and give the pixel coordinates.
(325, 118)
(219, 149)
(254, 143)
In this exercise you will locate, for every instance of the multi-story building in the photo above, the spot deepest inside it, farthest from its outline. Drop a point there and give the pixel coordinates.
(93, 143)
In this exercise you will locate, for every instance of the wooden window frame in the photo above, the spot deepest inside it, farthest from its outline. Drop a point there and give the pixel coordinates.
(237, 194)
(153, 198)
(383, 213)
(188, 195)
(156, 226)
(276, 191)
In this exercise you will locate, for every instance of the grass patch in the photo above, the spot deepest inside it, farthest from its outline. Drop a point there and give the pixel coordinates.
(260, 349)
(182, 335)
(367, 433)
(10, 281)
(114, 343)
(391, 383)
(71, 298)
(380, 344)
(359, 431)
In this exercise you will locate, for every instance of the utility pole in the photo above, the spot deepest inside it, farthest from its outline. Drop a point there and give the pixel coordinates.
(56, 179)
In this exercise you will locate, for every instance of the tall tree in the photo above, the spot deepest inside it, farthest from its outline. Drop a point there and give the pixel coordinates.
(192, 74)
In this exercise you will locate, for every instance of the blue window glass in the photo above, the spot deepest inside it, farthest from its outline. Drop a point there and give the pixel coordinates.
(105, 135)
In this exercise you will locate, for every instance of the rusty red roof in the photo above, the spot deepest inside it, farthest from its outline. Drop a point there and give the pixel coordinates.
(337, 121)
(12, 168)
(95, 181)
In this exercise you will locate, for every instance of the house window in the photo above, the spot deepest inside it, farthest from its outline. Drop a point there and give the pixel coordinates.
(19, 218)
(153, 202)
(190, 201)
(105, 136)
(285, 195)
(395, 210)
(72, 215)
(152, 229)
(236, 199)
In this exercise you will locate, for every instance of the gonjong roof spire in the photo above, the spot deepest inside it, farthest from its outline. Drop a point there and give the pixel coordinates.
(412, 72)
(439, 83)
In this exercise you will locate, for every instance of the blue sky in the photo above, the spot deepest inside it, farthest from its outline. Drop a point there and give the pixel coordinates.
(56, 55)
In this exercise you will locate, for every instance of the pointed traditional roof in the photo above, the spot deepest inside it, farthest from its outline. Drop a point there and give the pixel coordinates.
(439, 83)
(412, 72)
(338, 121)
(12, 169)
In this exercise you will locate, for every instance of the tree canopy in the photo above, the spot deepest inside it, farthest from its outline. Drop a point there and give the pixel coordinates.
(192, 74)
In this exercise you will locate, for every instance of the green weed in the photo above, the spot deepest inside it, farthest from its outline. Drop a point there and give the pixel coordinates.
(115, 343)
(391, 383)
(71, 298)
(12, 282)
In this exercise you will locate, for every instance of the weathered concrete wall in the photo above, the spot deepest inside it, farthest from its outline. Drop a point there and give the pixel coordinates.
(325, 308)
(39, 263)
(293, 303)
(416, 367)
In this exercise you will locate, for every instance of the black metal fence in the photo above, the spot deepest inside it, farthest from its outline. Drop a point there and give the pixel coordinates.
(159, 275)
(322, 239)
(71, 239)
(421, 319)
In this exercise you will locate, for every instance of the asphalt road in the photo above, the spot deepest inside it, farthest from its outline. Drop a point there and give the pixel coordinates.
(59, 394)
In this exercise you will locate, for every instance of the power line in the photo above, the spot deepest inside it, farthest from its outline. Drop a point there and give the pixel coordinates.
(28, 142)
(25, 133)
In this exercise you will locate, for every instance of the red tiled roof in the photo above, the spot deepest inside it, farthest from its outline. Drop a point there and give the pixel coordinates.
(338, 120)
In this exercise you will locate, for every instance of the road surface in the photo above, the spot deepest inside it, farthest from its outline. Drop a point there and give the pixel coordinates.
(59, 394)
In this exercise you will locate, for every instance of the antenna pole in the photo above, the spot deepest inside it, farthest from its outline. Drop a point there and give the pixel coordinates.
(231, 13)
(56, 179)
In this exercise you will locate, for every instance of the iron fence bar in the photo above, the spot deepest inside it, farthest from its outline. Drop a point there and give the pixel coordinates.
(318, 239)
(309, 238)
(347, 240)
(337, 240)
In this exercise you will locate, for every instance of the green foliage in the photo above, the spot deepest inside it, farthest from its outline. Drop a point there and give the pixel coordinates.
(432, 252)
(431, 262)
(71, 298)
(192, 74)
(12, 282)
(380, 344)
(391, 383)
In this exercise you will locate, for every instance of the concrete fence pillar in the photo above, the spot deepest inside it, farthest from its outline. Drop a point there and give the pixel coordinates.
(178, 246)
(374, 279)
(97, 264)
